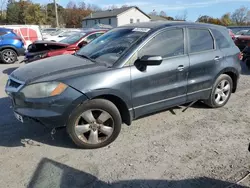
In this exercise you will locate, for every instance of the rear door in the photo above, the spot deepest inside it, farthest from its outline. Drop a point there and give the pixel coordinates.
(205, 58)
(1, 36)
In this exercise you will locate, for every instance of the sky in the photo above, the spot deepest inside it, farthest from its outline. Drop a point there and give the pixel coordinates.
(194, 8)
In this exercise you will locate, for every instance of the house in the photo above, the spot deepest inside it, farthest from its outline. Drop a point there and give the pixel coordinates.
(115, 17)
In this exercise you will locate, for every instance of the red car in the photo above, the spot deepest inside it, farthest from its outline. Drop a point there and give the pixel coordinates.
(243, 40)
(43, 49)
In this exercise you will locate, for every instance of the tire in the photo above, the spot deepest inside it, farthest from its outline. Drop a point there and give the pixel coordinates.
(81, 117)
(211, 102)
(8, 56)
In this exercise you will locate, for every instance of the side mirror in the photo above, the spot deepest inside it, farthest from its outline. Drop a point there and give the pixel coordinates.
(83, 43)
(149, 60)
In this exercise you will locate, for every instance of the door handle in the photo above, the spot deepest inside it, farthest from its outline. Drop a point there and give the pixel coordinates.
(180, 68)
(217, 58)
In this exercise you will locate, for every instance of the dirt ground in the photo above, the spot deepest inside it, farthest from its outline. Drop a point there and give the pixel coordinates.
(201, 148)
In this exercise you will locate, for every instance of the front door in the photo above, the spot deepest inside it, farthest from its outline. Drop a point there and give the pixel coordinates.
(162, 86)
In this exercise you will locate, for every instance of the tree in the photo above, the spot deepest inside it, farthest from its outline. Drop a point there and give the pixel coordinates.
(12, 12)
(153, 13)
(182, 17)
(226, 19)
(240, 15)
(34, 15)
(163, 14)
(2, 5)
(51, 17)
(204, 19)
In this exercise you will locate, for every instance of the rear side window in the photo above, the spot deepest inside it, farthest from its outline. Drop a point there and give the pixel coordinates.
(2, 33)
(200, 40)
(166, 44)
(223, 40)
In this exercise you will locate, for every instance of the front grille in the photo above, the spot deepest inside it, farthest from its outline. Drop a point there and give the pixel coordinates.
(14, 84)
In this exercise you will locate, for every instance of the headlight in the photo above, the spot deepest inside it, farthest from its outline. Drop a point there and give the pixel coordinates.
(43, 90)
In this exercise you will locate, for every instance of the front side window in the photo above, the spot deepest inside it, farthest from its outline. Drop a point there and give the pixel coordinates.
(90, 38)
(168, 43)
(109, 47)
(200, 40)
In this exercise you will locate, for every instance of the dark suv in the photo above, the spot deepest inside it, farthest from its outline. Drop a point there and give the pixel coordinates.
(125, 74)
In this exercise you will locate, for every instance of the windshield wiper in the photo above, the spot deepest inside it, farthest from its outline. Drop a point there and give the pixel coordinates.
(86, 57)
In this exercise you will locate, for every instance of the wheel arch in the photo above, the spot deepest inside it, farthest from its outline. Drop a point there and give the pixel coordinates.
(9, 47)
(126, 113)
(233, 73)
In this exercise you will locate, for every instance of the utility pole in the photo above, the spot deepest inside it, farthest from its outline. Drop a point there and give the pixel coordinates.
(57, 23)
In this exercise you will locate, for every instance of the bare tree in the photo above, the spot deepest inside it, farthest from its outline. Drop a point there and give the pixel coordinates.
(153, 13)
(3, 4)
(240, 15)
(182, 17)
(162, 13)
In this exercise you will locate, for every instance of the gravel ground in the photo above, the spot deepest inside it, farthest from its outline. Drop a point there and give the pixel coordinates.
(200, 148)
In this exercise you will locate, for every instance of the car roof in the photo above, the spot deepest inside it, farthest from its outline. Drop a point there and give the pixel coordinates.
(5, 29)
(161, 24)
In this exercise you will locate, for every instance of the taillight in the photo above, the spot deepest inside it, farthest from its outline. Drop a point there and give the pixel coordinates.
(240, 56)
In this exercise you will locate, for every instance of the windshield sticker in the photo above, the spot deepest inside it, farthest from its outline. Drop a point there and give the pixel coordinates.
(144, 30)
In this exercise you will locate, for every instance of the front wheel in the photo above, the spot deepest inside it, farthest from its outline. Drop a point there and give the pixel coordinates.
(8, 56)
(94, 124)
(221, 91)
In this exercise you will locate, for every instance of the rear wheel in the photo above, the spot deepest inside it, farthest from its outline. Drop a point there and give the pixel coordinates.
(8, 56)
(94, 124)
(221, 91)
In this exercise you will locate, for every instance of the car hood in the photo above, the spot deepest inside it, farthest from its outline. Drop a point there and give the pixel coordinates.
(48, 42)
(55, 68)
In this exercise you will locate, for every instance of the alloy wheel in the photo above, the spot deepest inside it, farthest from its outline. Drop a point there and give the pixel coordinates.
(222, 92)
(94, 126)
(9, 56)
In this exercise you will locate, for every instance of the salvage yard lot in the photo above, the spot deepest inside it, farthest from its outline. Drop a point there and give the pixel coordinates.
(199, 148)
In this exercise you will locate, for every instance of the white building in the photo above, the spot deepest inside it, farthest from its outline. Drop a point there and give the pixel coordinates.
(116, 17)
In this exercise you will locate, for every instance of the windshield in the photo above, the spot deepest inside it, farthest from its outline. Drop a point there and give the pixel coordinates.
(56, 33)
(242, 32)
(109, 47)
(247, 33)
(73, 38)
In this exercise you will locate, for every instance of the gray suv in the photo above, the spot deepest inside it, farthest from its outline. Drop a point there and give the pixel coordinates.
(125, 74)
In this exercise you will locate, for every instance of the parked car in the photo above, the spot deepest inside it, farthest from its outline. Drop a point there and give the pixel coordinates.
(231, 34)
(28, 33)
(243, 40)
(69, 45)
(236, 29)
(11, 46)
(241, 32)
(60, 35)
(125, 74)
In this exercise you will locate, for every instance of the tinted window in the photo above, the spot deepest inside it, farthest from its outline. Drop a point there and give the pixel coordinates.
(109, 47)
(2, 33)
(166, 44)
(221, 40)
(91, 37)
(73, 38)
(200, 40)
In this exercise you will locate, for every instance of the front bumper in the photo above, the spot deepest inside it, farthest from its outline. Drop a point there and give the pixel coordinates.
(51, 111)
